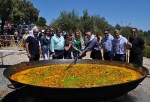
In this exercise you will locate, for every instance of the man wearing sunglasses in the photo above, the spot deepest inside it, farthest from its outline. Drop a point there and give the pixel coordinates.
(107, 45)
(138, 45)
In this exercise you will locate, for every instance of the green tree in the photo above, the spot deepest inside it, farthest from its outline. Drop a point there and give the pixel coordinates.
(111, 29)
(126, 31)
(140, 33)
(99, 24)
(17, 12)
(70, 21)
(67, 21)
(118, 26)
(85, 22)
(146, 37)
(148, 32)
(41, 22)
(8, 9)
(29, 11)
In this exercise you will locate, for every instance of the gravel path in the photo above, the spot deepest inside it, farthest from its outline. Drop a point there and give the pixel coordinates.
(140, 94)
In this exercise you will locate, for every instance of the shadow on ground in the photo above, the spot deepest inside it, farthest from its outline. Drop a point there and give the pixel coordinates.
(18, 96)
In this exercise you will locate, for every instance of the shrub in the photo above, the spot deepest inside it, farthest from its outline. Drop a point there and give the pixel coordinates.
(147, 52)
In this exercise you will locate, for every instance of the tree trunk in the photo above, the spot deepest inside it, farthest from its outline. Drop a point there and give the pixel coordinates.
(2, 26)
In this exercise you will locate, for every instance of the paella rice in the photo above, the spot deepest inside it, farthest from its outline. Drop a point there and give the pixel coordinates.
(78, 76)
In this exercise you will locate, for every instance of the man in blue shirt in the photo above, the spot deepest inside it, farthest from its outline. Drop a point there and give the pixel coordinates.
(92, 45)
(107, 45)
(57, 45)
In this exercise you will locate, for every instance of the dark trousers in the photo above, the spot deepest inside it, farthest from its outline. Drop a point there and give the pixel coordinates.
(107, 55)
(9, 31)
(96, 55)
(59, 54)
(67, 54)
(34, 57)
(120, 57)
(136, 58)
(76, 55)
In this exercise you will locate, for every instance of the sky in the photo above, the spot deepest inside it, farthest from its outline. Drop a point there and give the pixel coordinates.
(123, 12)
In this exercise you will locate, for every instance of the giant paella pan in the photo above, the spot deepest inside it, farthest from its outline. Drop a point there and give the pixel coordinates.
(87, 80)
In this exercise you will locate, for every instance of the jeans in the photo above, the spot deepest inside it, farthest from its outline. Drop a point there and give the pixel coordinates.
(67, 54)
(59, 54)
(120, 57)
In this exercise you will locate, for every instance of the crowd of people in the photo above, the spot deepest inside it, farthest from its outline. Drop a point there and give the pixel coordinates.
(57, 45)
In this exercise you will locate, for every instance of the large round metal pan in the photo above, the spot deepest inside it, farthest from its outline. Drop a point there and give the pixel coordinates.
(76, 94)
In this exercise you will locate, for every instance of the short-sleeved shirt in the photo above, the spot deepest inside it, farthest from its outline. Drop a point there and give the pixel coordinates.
(33, 45)
(136, 45)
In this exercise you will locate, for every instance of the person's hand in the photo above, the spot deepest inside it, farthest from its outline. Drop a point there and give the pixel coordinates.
(28, 54)
(80, 54)
(69, 44)
(129, 44)
(111, 57)
(53, 54)
(41, 55)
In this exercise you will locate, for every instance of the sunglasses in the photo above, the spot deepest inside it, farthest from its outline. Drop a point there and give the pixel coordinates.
(133, 31)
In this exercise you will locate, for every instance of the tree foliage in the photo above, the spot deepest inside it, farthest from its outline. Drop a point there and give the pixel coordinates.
(146, 37)
(126, 31)
(17, 12)
(30, 12)
(8, 10)
(67, 21)
(118, 27)
(41, 22)
(70, 21)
